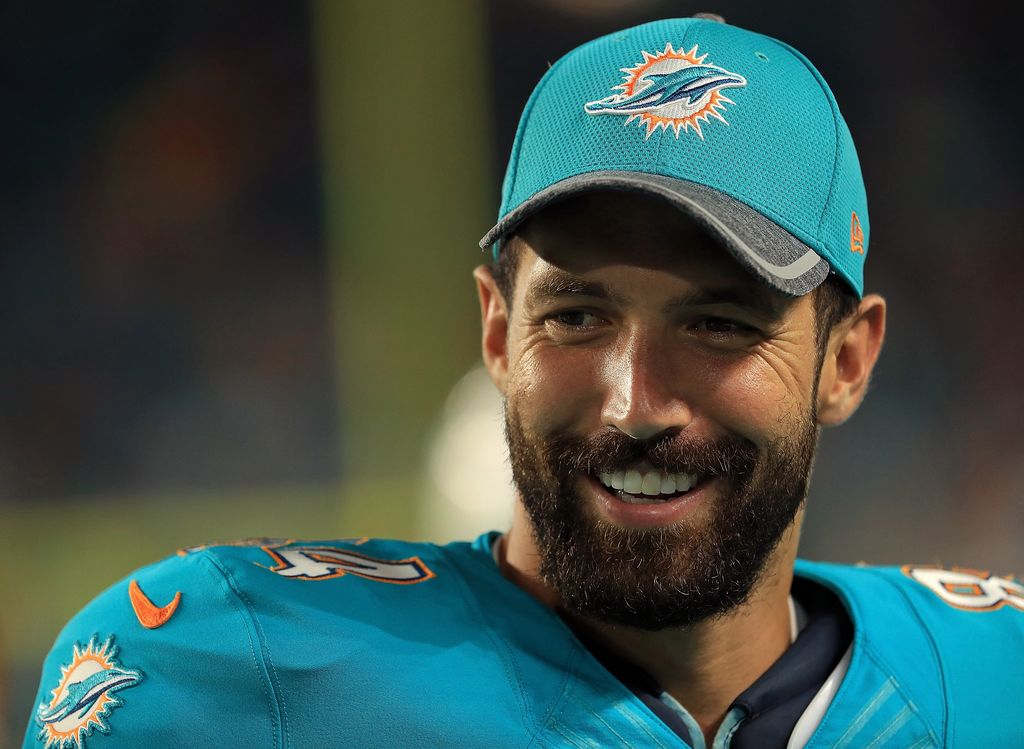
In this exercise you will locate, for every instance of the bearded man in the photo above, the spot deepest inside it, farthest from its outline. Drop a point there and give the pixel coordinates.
(675, 309)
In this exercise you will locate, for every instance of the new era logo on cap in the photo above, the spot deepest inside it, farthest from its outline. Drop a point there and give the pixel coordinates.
(856, 234)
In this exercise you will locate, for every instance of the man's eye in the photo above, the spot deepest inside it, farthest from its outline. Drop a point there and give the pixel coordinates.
(720, 326)
(575, 318)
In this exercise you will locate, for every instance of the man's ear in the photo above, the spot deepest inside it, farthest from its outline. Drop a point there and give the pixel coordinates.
(853, 349)
(494, 320)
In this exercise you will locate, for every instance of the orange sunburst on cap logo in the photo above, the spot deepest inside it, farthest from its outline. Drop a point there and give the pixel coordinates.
(670, 89)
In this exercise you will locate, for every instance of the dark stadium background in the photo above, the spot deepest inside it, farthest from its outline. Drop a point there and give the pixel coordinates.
(236, 241)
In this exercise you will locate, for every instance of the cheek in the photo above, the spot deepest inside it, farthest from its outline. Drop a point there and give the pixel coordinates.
(556, 388)
(755, 400)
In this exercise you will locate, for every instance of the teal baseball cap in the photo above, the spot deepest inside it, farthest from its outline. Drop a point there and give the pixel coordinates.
(737, 129)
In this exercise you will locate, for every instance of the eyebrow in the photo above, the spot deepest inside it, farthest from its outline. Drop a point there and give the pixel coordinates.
(557, 284)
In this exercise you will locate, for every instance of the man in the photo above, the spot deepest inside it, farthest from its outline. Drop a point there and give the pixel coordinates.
(675, 310)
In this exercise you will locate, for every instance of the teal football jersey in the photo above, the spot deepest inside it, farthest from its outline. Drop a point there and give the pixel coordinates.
(370, 643)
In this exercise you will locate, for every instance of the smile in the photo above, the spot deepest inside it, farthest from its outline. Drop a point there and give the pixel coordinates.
(649, 486)
(644, 497)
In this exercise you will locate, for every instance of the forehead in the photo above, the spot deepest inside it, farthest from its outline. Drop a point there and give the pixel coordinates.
(640, 237)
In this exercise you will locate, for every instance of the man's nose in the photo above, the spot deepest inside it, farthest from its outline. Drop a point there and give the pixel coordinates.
(644, 396)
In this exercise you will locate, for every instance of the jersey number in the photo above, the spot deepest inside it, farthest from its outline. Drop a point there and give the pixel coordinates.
(326, 562)
(969, 590)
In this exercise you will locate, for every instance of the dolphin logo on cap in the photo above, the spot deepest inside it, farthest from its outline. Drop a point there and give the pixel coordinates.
(690, 84)
(670, 89)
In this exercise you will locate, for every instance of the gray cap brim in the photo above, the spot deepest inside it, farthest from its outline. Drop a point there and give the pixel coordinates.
(763, 247)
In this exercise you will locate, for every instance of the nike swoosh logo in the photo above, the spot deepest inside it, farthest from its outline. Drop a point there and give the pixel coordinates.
(149, 614)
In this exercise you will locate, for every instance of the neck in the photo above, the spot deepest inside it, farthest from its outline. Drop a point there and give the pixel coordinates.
(704, 666)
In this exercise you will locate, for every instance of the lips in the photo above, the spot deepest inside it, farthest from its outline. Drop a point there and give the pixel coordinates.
(647, 485)
(647, 506)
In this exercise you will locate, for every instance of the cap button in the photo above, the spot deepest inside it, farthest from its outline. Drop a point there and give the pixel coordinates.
(710, 17)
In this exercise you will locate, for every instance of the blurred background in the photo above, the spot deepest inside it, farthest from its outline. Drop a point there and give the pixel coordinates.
(236, 245)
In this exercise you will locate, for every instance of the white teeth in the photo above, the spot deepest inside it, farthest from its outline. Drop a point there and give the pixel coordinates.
(631, 482)
(649, 483)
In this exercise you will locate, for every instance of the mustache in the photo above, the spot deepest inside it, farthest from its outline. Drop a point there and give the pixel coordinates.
(676, 453)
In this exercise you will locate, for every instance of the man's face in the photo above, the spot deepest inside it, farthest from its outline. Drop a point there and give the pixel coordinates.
(659, 412)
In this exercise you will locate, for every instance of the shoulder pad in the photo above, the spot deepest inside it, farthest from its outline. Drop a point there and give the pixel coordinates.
(946, 641)
(188, 636)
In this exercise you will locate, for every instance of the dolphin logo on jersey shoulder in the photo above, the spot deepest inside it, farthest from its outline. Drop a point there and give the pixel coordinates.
(671, 89)
(81, 696)
(83, 699)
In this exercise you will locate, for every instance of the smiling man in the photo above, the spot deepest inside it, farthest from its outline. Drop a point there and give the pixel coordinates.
(674, 310)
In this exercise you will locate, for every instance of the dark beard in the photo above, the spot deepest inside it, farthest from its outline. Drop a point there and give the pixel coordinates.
(664, 577)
